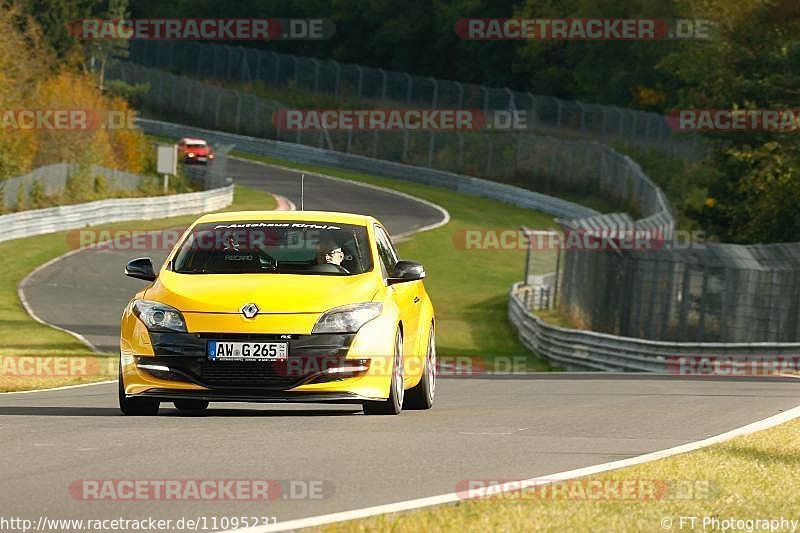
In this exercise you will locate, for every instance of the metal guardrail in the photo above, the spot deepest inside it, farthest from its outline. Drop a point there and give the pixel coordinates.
(299, 153)
(576, 349)
(53, 219)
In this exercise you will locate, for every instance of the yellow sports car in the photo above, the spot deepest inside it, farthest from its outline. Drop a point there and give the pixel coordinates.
(271, 306)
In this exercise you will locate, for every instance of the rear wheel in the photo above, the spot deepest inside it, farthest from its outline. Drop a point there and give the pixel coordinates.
(394, 403)
(421, 396)
(191, 407)
(135, 406)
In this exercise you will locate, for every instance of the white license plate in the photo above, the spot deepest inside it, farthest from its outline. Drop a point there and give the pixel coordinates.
(247, 351)
(202, 158)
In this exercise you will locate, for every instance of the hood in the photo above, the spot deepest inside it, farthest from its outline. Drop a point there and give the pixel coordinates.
(272, 293)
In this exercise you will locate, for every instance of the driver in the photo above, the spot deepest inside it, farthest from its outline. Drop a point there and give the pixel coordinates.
(329, 252)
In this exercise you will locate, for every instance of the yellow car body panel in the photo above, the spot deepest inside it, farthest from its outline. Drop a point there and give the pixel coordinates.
(289, 304)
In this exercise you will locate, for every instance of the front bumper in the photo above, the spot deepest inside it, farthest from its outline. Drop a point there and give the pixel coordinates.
(248, 396)
(319, 368)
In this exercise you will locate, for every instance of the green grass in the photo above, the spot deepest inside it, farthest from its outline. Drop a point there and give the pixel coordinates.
(22, 336)
(469, 288)
(750, 477)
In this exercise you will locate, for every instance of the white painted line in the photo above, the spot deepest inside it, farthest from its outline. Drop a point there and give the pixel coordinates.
(454, 497)
(65, 387)
(404, 235)
(28, 309)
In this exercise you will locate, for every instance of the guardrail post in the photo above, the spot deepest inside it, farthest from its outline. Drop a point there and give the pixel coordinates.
(316, 75)
(559, 112)
(338, 78)
(383, 83)
(512, 104)
(534, 110)
(277, 70)
(238, 110)
(527, 233)
(489, 156)
(218, 109)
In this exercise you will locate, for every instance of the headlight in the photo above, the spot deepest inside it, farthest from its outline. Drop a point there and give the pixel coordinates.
(347, 318)
(158, 316)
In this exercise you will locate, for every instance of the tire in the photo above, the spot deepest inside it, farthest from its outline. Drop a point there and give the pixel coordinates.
(135, 406)
(394, 403)
(191, 407)
(422, 395)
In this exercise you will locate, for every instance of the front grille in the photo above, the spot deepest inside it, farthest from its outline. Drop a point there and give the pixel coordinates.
(269, 375)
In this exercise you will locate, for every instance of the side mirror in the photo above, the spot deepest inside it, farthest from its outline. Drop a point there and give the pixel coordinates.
(141, 268)
(406, 271)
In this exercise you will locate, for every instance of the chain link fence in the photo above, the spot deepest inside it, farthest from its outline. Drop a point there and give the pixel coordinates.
(375, 87)
(530, 161)
(710, 293)
(53, 179)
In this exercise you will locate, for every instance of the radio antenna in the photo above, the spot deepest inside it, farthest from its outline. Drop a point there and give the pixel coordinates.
(302, 191)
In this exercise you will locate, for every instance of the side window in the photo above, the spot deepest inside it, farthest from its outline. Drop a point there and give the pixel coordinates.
(385, 250)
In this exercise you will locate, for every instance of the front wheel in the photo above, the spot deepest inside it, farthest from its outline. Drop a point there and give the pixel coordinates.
(421, 396)
(394, 403)
(135, 406)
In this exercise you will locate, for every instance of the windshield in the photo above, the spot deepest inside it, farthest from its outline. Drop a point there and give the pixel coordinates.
(274, 247)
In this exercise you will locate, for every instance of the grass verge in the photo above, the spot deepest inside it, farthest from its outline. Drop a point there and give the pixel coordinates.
(21, 336)
(747, 478)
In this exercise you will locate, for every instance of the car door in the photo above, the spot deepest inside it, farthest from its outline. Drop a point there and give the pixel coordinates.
(405, 296)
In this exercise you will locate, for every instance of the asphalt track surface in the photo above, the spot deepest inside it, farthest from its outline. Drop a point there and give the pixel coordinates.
(488, 428)
(86, 291)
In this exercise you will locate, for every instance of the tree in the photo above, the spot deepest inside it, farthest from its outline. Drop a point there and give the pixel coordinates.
(101, 50)
(754, 63)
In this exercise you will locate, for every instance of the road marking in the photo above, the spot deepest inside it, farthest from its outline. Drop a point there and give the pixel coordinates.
(400, 236)
(28, 309)
(453, 497)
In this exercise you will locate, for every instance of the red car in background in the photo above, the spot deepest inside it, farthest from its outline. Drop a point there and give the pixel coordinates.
(191, 150)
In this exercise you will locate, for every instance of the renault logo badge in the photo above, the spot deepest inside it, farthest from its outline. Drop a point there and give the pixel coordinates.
(249, 310)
